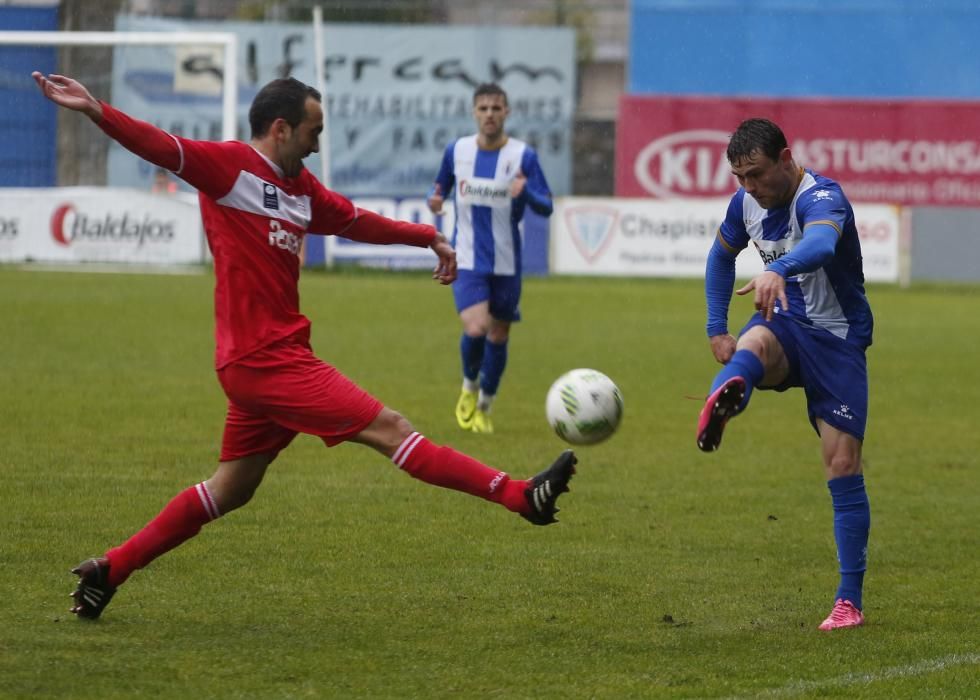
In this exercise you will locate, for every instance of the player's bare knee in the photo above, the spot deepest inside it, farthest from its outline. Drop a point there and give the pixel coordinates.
(843, 465)
(388, 420)
(755, 343)
(498, 333)
(386, 432)
(400, 427)
(764, 344)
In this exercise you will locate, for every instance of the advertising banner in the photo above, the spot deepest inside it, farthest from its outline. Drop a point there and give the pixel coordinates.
(906, 152)
(340, 250)
(88, 224)
(335, 249)
(671, 238)
(395, 95)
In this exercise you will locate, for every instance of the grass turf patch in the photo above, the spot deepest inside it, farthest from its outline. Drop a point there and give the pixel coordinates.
(671, 574)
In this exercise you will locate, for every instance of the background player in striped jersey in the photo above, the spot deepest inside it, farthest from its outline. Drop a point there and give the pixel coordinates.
(493, 178)
(811, 330)
(257, 203)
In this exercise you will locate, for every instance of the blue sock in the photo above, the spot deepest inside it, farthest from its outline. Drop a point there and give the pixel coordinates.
(494, 362)
(471, 350)
(852, 521)
(743, 364)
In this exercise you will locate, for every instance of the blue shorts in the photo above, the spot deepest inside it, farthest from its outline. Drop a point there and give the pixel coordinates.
(832, 372)
(502, 291)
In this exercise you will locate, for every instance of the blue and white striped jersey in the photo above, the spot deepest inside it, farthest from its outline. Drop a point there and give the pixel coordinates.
(831, 297)
(489, 232)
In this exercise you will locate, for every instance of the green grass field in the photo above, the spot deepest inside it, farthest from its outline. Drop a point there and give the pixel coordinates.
(671, 574)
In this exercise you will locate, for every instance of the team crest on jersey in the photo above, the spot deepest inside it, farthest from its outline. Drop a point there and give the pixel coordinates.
(270, 196)
(592, 229)
(821, 194)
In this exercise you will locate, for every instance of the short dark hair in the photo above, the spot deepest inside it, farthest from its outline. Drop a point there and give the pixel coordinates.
(283, 97)
(489, 89)
(754, 135)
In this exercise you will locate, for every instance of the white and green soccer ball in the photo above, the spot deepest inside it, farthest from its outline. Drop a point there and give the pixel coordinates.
(584, 407)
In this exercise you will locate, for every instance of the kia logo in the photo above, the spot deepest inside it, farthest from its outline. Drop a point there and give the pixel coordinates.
(686, 164)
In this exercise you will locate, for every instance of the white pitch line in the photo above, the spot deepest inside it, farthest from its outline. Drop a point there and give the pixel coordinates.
(917, 669)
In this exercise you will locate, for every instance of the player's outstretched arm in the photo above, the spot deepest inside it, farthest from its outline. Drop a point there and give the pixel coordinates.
(142, 138)
(373, 228)
(68, 93)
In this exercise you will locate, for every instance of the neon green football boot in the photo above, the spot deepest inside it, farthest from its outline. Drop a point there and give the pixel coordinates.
(482, 422)
(465, 409)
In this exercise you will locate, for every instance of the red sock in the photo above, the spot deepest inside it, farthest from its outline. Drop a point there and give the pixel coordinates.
(180, 520)
(444, 466)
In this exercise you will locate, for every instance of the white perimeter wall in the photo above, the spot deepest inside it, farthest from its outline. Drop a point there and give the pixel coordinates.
(589, 236)
(95, 224)
(671, 238)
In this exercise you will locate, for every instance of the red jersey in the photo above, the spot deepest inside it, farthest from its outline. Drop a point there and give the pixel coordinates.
(255, 220)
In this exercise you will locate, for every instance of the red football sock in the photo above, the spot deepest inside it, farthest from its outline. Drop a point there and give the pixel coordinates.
(180, 520)
(444, 466)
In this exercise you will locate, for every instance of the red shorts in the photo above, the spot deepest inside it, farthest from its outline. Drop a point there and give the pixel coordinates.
(284, 389)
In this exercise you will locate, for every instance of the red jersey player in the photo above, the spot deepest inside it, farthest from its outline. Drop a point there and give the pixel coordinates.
(257, 203)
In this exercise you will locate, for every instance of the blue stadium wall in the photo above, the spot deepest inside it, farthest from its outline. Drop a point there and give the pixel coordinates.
(796, 48)
(27, 123)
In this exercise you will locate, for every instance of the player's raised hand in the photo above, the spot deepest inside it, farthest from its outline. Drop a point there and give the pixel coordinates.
(445, 271)
(517, 184)
(768, 287)
(436, 200)
(68, 93)
(723, 347)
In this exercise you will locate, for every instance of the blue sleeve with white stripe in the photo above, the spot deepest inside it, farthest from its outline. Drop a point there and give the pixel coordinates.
(813, 252)
(536, 188)
(822, 213)
(446, 177)
(719, 279)
(733, 232)
(719, 273)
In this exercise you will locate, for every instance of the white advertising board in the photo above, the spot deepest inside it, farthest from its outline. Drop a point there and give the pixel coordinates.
(90, 224)
(671, 238)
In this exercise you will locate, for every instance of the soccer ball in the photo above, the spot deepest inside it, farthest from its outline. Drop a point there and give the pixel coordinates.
(584, 407)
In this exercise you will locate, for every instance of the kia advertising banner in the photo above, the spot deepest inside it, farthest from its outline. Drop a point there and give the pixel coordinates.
(87, 224)
(906, 152)
(671, 238)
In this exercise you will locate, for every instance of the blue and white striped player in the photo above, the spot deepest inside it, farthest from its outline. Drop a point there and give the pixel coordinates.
(812, 326)
(493, 179)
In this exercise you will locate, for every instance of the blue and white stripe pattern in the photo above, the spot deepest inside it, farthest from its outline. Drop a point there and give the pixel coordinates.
(489, 232)
(831, 297)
